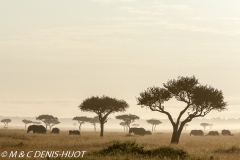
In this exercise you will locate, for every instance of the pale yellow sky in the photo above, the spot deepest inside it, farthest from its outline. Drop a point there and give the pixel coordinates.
(56, 53)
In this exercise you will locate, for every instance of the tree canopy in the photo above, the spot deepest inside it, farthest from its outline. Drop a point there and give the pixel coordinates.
(103, 107)
(199, 99)
(81, 120)
(48, 120)
(6, 121)
(94, 121)
(154, 123)
(127, 118)
(26, 122)
(204, 125)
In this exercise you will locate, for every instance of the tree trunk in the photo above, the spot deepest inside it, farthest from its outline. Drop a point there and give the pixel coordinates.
(155, 128)
(176, 134)
(152, 128)
(102, 128)
(79, 128)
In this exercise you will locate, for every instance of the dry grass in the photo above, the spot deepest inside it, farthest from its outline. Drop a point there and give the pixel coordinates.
(203, 147)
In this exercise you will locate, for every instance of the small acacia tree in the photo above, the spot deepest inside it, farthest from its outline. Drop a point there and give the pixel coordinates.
(128, 119)
(204, 125)
(123, 124)
(48, 120)
(154, 123)
(81, 120)
(94, 122)
(199, 99)
(6, 121)
(26, 122)
(103, 106)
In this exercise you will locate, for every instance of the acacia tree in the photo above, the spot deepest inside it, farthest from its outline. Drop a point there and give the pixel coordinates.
(123, 124)
(128, 119)
(199, 99)
(94, 122)
(81, 120)
(48, 120)
(26, 122)
(6, 121)
(204, 125)
(154, 123)
(103, 106)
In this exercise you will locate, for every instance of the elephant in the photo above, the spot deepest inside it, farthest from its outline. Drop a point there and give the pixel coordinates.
(138, 131)
(55, 130)
(36, 129)
(74, 132)
(197, 133)
(148, 133)
(213, 133)
(226, 133)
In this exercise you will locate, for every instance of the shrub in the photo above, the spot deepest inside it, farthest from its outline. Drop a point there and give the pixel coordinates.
(132, 148)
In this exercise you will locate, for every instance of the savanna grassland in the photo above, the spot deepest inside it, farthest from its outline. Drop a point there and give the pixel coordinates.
(196, 147)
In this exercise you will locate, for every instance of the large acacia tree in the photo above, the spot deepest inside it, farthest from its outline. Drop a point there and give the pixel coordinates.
(103, 107)
(199, 101)
(128, 119)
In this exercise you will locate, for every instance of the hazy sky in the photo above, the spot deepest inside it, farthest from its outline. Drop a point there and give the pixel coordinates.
(56, 53)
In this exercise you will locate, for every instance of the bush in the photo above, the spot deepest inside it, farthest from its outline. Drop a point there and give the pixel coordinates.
(167, 152)
(132, 148)
(127, 147)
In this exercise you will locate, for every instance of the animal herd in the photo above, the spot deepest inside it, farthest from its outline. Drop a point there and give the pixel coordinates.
(136, 131)
(42, 129)
(211, 133)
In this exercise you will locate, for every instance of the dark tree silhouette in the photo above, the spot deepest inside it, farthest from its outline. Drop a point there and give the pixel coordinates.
(103, 106)
(204, 125)
(154, 123)
(128, 119)
(48, 120)
(26, 122)
(94, 122)
(199, 99)
(123, 124)
(81, 120)
(6, 121)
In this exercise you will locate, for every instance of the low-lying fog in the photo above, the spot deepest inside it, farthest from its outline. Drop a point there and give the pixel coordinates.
(113, 124)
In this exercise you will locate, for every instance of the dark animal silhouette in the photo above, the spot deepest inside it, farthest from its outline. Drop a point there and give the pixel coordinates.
(197, 133)
(148, 133)
(74, 132)
(138, 131)
(226, 133)
(213, 133)
(55, 130)
(36, 129)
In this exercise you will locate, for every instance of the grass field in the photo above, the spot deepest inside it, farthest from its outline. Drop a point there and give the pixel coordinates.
(204, 147)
